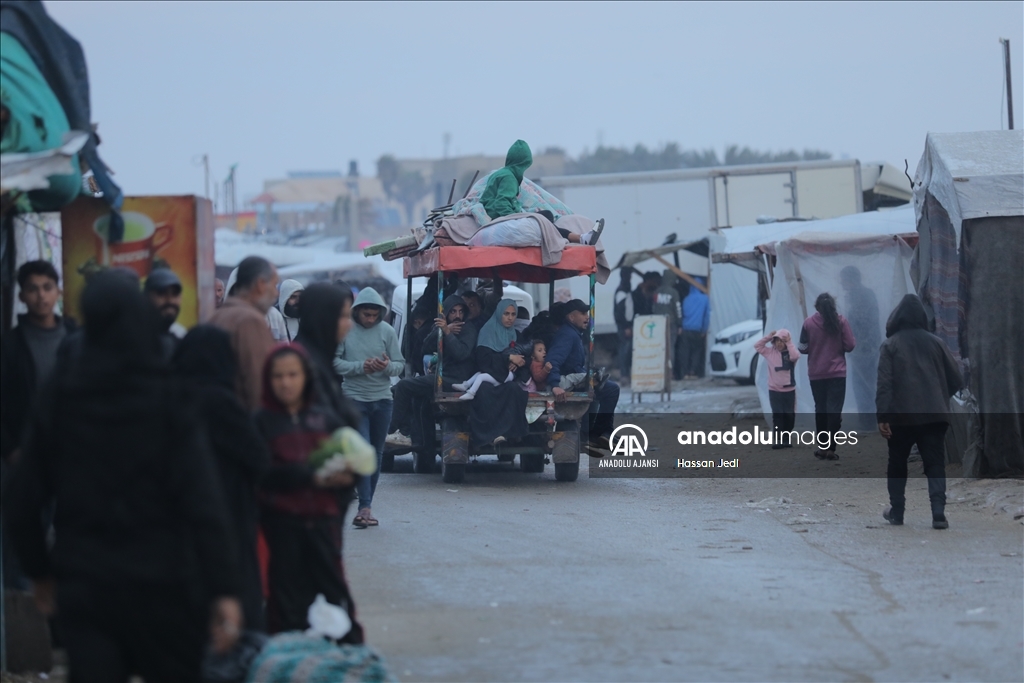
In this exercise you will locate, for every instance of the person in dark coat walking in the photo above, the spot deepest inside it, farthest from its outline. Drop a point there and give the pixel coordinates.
(302, 509)
(205, 359)
(624, 312)
(143, 568)
(917, 375)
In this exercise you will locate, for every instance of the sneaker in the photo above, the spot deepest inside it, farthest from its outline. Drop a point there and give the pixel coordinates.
(460, 386)
(892, 518)
(498, 440)
(939, 522)
(468, 396)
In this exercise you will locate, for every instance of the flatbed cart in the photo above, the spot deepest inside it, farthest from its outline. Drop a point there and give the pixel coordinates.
(554, 426)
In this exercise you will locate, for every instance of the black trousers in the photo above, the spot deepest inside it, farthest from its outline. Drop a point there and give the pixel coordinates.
(829, 397)
(414, 410)
(931, 442)
(118, 629)
(692, 361)
(783, 405)
(599, 419)
(305, 559)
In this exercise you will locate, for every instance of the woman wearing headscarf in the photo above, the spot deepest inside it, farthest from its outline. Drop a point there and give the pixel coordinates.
(326, 317)
(143, 561)
(495, 351)
(826, 338)
(205, 359)
(499, 413)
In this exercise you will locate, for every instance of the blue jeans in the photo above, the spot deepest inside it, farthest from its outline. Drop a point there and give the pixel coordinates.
(374, 428)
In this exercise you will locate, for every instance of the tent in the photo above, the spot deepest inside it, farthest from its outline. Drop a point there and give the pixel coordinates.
(969, 271)
(868, 274)
(737, 262)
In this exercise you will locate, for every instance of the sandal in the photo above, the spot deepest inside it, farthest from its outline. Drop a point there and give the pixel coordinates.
(361, 520)
(370, 519)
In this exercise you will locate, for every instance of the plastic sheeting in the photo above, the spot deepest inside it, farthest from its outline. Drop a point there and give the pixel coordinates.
(742, 241)
(813, 262)
(972, 175)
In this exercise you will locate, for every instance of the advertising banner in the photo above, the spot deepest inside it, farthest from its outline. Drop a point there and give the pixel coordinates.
(650, 360)
(173, 232)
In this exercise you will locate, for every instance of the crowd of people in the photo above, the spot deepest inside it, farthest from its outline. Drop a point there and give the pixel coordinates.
(145, 467)
(684, 304)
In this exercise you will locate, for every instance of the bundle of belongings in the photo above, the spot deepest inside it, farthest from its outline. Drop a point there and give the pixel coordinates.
(46, 135)
(506, 209)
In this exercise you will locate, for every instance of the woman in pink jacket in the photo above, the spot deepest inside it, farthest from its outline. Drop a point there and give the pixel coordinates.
(826, 338)
(781, 356)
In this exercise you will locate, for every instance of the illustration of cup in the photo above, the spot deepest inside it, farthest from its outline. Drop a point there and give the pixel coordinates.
(142, 240)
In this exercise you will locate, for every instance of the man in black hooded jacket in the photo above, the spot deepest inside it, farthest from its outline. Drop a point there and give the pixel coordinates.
(917, 375)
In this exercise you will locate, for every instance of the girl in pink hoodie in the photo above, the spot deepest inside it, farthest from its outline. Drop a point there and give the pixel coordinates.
(781, 355)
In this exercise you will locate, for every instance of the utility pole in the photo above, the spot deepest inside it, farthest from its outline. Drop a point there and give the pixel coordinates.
(1009, 87)
(206, 175)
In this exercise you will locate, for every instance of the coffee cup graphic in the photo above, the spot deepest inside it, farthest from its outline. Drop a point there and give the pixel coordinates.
(142, 240)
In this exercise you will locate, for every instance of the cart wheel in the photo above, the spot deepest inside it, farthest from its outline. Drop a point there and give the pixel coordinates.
(567, 471)
(531, 463)
(423, 463)
(452, 474)
(387, 462)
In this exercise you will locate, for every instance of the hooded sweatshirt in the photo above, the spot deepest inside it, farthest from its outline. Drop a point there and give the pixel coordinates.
(696, 310)
(666, 301)
(458, 364)
(363, 343)
(916, 372)
(781, 364)
(501, 194)
(289, 287)
(826, 353)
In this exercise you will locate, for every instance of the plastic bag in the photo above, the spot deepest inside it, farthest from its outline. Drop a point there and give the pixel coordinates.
(345, 448)
(327, 620)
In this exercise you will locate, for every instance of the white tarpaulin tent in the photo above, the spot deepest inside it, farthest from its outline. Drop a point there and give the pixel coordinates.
(969, 272)
(868, 274)
(734, 288)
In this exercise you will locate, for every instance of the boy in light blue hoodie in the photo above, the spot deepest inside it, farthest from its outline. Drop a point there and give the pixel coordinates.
(368, 358)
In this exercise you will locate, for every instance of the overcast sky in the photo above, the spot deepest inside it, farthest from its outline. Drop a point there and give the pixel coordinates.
(278, 87)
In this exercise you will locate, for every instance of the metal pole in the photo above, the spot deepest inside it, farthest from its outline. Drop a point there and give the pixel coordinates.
(407, 343)
(1009, 87)
(206, 175)
(590, 334)
(440, 333)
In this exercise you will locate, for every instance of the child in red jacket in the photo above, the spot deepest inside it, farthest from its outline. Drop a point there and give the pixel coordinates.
(781, 356)
(301, 507)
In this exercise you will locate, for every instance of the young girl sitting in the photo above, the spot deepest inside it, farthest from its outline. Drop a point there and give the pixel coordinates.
(301, 510)
(495, 351)
(537, 380)
(781, 356)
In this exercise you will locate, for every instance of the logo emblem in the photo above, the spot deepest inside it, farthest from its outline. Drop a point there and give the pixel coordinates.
(648, 330)
(628, 443)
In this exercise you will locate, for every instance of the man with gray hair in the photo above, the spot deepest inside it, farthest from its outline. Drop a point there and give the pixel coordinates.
(243, 317)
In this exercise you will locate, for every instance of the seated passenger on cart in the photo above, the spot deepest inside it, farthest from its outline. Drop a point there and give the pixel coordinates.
(414, 411)
(568, 358)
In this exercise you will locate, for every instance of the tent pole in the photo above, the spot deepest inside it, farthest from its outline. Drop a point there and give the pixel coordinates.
(1009, 87)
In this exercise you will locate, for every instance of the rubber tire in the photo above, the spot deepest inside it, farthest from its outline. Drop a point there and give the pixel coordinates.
(423, 464)
(387, 462)
(453, 474)
(567, 471)
(753, 373)
(533, 464)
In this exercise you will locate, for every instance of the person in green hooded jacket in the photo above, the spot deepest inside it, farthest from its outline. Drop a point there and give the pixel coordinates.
(501, 194)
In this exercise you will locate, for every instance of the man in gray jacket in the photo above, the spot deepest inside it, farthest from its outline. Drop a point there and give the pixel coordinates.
(368, 358)
(917, 375)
